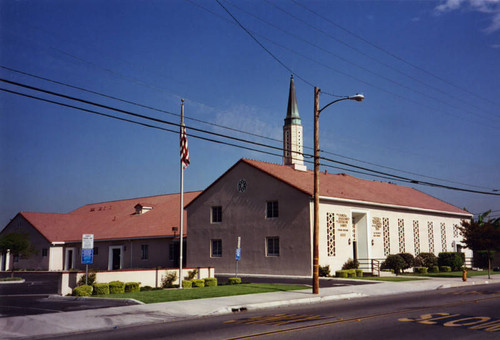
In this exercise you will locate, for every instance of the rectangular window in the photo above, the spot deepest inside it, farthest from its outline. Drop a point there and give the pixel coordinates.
(96, 250)
(45, 252)
(144, 252)
(171, 252)
(273, 246)
(216, 214)
(272, 209)
(216, 250)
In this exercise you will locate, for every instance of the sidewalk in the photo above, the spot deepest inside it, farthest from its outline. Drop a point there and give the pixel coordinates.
(55, 324)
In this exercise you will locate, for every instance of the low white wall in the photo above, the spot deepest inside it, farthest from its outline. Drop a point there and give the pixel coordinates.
(146, 277)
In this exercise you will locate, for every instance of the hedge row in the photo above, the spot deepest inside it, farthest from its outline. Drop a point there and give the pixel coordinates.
(349, 273)
(209, 282)
(113, 287)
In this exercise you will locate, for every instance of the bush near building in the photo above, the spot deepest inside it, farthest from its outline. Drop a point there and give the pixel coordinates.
(116, 287)
(324, 271)
(350, 264)
(131, 287)
(394, 262)
(84, 290)
(211, 282)
(426, 260)
(101, 289)
(451, 259)
(409, 260)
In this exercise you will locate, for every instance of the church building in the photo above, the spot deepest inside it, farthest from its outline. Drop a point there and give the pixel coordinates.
(266, 210)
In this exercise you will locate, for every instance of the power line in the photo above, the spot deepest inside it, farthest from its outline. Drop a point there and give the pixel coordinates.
(225, 127)
(392, 54)
(420, 103)
(395, 177)
(314, 27)
(365, 69)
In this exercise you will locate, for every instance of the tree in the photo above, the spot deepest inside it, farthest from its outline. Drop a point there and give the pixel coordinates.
(482, 235)
(18, 244)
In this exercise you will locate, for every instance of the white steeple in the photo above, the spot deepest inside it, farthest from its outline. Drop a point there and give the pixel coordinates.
(292, 133)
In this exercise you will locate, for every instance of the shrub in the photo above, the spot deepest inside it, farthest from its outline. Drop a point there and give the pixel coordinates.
(101, 289)
(350, 264)
(131, 287)
(359, 272)
(426, 260)
(341, 273)
(409, 260)
(146, 288)
(84, 290)
(434, 269)
(388, 270)
(324, 271)
(395, 262)
(420, 270)
(90, 280)
(211, 282)
(451, 259)
(191, 274)
(351, 272)
(168, 280)
(187, 284)
(234, 281)
(445, 269)
(198, 283)
(116, 287)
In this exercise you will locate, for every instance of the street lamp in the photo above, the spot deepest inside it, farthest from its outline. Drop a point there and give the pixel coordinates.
(358, 97)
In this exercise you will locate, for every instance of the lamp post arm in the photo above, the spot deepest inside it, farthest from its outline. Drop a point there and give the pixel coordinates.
(335, 101)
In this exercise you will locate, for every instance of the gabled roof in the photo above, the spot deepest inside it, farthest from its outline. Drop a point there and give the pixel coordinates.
(114, 220)
(348, 188)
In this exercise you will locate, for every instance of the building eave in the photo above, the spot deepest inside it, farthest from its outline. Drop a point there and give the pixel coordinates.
(394, 206)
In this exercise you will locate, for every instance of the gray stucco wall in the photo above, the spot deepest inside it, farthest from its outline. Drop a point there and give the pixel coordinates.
(36, 261)
(244, 215)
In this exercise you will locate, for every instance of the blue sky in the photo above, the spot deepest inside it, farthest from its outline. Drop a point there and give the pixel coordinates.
(429, 71)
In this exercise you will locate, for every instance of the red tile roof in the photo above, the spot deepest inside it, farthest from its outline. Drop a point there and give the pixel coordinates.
(114, 220)
(342, 186)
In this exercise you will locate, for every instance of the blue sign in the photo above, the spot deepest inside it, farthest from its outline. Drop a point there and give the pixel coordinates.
(87, 256)
(238, 254)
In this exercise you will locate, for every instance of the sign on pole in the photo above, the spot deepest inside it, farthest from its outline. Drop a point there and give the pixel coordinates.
(88, 248)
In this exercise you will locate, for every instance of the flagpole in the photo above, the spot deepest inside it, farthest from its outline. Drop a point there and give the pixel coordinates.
(182, 196)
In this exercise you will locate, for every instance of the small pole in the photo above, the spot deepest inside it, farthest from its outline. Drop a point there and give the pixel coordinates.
(86, 274)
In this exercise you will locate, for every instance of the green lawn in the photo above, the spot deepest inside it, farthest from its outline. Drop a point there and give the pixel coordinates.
(470, 273)
(166, 295)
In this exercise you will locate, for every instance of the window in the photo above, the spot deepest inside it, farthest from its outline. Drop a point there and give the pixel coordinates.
(273, 246)
(272, 209)
(216, 250)
(144, 252)
(216, 216)
(96, 250)
(45, 252)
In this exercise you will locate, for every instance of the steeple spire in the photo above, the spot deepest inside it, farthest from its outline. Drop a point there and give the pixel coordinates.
(292, 111)
(292, 133)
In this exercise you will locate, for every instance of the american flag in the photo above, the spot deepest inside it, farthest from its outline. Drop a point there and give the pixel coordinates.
(184, 148)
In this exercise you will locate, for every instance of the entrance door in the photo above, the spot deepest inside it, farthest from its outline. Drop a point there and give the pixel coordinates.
(361, 240)
(69, 261)
(116, 257)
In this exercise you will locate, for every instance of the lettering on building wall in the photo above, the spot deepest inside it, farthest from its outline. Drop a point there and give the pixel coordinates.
(377, 226)
(343, 224)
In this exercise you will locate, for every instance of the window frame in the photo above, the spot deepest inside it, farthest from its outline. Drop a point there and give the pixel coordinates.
(273, 252)
(272, 209)
(216, 214)
(214, 254)
(144, 252)
(45, 252)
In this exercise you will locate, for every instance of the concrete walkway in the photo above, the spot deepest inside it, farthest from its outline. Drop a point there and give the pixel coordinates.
(53, 324)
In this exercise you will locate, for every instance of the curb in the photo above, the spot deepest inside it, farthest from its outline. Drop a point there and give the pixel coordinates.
(285, 303)
(77, 298)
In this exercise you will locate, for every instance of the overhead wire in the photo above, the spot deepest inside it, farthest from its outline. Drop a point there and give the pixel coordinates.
(394, 177)
(357, 36)
(363, 68)
(225, 127)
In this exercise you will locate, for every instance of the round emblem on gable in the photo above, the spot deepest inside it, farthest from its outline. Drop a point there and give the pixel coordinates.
(242, 185)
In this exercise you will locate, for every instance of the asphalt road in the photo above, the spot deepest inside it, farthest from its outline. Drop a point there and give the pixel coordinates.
(36, 296)
(456, 313)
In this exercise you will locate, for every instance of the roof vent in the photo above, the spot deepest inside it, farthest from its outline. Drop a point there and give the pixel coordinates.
(142, 209)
